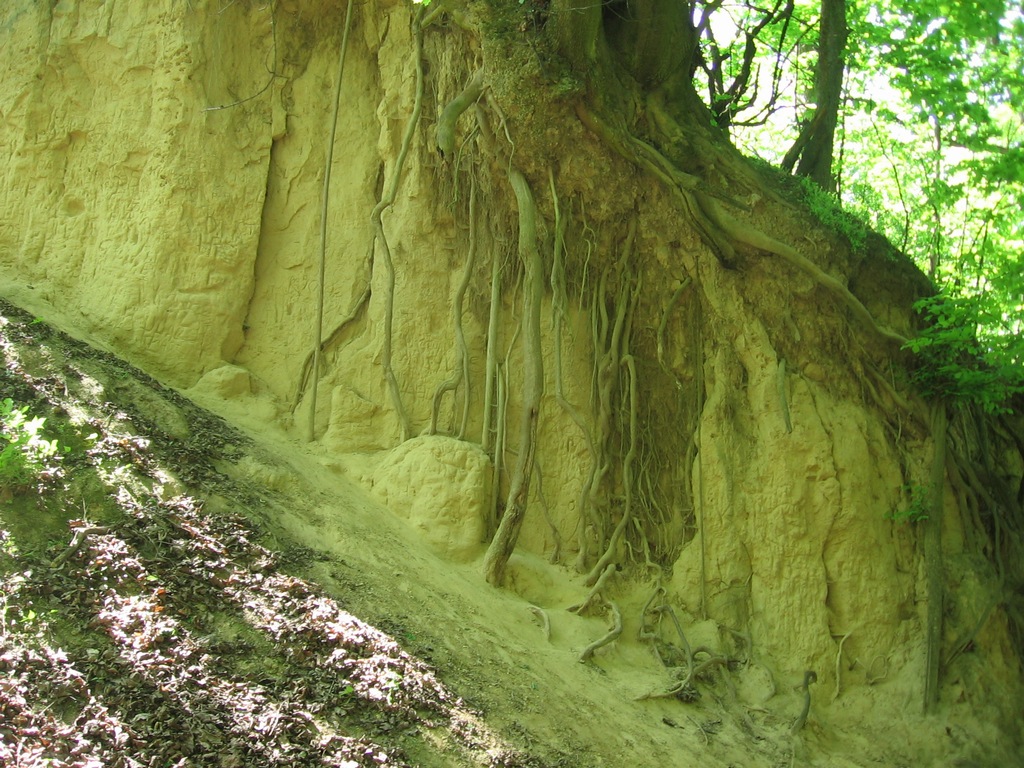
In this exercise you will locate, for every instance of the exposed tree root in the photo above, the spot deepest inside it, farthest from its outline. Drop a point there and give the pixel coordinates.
(504, 541)
(77, 540)
(611, 349)
(839, 659)
(491, 363)
(698, 446)
(780, 382)
(498, 460)
(595, 591)
(613, 633)
(683, 285)
(810, 676)
(355, 313)
(611, 550)
(328, 163)
(558, 311)
(683, 185)
(379, 237)
(460, 374)
(680, 688)
(933, 558)
(450, 115)
(556, 536)
(719, 230)
(964, 643)
(749, 235)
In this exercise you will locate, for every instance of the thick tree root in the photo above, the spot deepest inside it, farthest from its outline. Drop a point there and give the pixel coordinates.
(748, 235)
(504, 542)
(718, 229)
(558, 311)
(680, 688)
(450, 115)
(491, 364)
(595, 591)
(306, 375)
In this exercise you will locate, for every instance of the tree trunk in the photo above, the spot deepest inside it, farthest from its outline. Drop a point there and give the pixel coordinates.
(814, 146)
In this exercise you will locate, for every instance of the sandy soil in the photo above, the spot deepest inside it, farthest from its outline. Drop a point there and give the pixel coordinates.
(250, 549)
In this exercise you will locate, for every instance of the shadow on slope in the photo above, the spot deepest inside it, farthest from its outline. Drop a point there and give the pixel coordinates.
(139, 629)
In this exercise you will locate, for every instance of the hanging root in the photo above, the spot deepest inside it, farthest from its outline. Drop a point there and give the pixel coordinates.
(378, 236)
(839, 659)
(611, 351)
(780, 382)
(504, 542)
(306, 376)
(627, 477)
(613, 633)
(461, 371)
(933, 559)
(499, 452)
(556, 536)
(322, 263)
(717, 228)
(558, 301)
(492, 353)
(810, 676)
(683, 285)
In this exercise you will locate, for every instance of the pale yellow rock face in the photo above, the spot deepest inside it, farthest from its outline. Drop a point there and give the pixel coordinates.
(442, 487)
(126, 202)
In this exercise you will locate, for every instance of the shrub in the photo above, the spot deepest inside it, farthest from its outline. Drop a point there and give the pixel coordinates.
(954, 363)
(24, 452)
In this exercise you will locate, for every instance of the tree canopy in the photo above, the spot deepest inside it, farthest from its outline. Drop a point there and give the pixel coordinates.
(914, 117)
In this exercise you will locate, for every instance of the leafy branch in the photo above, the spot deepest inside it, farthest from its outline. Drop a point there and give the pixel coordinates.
(953, 362)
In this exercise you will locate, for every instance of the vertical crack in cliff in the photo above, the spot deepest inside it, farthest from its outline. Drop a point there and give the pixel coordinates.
(261, 238)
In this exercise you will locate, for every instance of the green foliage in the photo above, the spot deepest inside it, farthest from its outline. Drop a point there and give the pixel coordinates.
(917, 507)
(826, 208)
(24, 452)
(954, 363)
(929, 146)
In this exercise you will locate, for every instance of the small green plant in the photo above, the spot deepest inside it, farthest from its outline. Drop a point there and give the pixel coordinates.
(916, 511)
(954, 363)
(827, 209)
(23, 450)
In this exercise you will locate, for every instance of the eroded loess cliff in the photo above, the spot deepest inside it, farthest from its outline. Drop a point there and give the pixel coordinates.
(726, 428)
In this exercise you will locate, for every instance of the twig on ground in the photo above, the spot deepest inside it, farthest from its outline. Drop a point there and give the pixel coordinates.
(76, 542)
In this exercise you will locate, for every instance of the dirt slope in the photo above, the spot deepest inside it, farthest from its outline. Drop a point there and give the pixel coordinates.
(164, 621)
